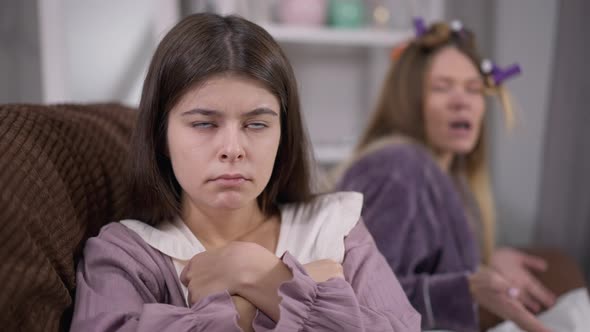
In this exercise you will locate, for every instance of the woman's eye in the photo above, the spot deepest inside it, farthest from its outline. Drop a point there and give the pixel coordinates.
(440, 88)
(203, 125)
(475, 90)
(256, 125)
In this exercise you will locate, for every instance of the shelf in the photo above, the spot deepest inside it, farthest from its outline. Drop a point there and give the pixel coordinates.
(332, 153)
(368, 37)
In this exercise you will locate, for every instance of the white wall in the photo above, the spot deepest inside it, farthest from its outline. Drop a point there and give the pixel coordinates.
(20, 75)
(333, 85)
(523, 31)
(108, 45)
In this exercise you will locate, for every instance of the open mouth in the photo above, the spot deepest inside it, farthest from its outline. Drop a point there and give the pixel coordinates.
(461, 125)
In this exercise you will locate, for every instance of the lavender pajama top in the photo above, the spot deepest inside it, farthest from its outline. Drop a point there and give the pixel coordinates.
(418, 220)
(128, 278)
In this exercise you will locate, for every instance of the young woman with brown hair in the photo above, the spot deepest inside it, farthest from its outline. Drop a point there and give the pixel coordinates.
(226, 233)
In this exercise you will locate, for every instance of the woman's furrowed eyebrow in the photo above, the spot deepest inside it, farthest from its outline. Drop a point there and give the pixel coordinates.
(448, 79)
(260, 111)
(201, 111)
(215, 113)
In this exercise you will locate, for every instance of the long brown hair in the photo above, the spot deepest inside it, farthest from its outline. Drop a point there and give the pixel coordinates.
(197, 48)
(400, 108)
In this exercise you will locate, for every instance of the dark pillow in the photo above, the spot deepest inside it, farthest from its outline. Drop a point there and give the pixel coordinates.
(61, 179)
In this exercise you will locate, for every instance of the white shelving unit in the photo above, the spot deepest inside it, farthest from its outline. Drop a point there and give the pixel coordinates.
(363, 56)
(332, 153)
(366, 37)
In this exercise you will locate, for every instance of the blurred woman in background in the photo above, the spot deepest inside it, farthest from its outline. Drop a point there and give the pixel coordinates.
(422, 167)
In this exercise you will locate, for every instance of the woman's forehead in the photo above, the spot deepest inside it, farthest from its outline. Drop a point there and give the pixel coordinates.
(225, 93)
(451, 62)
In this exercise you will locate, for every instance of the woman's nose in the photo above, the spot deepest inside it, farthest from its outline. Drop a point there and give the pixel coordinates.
(459, 100)
(232, 146)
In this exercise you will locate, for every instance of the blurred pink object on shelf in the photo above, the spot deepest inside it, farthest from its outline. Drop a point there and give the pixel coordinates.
(302, 12)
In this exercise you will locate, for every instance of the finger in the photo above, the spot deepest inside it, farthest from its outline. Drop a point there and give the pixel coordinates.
(534, 262)
(189, 298)
(539, 292)
(529, 302)
(184, 274)
(525, 320)
(499, 284)
(192, 299)
(195, 294)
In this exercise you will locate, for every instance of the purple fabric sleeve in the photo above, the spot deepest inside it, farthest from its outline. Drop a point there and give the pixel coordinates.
(125, 285)
(417, 219)
(370, 299)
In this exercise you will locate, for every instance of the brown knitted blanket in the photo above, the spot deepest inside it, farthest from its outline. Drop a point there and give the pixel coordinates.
(61, 179)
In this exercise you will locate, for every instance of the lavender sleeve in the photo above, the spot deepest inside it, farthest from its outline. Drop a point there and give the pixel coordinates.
(125, 285)
(417, 220)
(369, 299)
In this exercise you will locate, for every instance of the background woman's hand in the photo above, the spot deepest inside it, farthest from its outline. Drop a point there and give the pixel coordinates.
(323, 270)
(491, 291)
(516, 266)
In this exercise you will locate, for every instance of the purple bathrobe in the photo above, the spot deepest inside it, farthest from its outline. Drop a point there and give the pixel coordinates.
(417, 218)
(126, 285)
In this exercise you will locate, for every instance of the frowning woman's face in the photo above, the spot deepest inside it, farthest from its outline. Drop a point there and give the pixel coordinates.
(222, 139)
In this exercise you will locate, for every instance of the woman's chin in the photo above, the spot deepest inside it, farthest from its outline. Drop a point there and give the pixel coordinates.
(462, 152)
(463, 148)
(230, 201)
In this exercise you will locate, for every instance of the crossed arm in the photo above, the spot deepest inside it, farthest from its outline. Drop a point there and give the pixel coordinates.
(119, 291)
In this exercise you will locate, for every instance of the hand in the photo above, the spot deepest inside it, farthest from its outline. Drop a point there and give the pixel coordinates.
(515, 266)
(217, 270)
(323, 270)
(246, 312)
(245, 269)
(491, 291)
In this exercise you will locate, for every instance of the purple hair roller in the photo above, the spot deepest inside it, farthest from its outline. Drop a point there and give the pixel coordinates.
(500, 75)
(419, 26)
